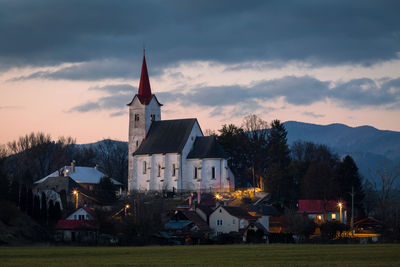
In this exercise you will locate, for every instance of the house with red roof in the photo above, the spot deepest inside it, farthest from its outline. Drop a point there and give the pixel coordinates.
(322, 211)
(81, 226)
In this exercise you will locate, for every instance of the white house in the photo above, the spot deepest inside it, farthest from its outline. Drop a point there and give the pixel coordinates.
(226, 219)
(171, 155)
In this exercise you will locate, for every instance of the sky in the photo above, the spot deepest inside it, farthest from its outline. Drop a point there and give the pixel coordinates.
(68, 68)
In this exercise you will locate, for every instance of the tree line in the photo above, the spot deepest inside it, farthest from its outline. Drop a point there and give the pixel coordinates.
(260, 156)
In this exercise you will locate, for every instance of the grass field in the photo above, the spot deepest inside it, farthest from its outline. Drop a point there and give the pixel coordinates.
(228, 255)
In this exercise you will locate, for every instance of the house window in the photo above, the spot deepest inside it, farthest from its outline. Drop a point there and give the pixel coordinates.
(333, 216)
(144, 167)
(195, 172)
(233, 221)
(81, 217)
(159, 171)
(74, 217)
(87, 217)
(219, 222)
(152, 117)
(137, 143)
(212, 172)
(173, 170)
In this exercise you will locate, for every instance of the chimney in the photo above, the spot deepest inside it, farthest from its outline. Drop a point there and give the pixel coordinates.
(95, 167)
(73, 166)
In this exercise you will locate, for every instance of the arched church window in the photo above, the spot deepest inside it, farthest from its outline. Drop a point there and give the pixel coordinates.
(159, 171)
(212, 172)
(152, 117)
(195, 172)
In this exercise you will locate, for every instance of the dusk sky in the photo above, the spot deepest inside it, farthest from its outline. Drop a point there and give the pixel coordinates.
(68, 68)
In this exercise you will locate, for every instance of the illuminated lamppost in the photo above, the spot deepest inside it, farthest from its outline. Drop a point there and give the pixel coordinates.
(126, 208)
(75, 192)
(340, 204)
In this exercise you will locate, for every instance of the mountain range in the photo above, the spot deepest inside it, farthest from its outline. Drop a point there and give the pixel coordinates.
(369, 147)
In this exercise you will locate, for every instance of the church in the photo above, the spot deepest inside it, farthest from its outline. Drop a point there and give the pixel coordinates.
(171, 155)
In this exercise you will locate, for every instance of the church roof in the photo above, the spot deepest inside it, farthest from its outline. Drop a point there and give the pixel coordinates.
(206, 147)
(169, 136)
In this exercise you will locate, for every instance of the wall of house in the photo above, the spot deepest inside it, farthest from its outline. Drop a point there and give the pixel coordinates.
(264, 221)
(229, 222)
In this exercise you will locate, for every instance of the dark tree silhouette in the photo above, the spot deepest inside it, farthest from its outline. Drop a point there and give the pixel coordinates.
(348, 177)
(278, 180)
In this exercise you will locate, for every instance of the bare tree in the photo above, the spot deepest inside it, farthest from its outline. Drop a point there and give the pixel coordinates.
(35, 155)
(113, 159)
(384, 188)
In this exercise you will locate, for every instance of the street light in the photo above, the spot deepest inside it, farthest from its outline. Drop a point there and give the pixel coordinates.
(75, 192)
(126, 207)
(340, 204)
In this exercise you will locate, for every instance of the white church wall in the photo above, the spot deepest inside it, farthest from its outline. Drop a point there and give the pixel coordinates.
(143, 174)
(170, 176)
(186, 180)
(191, 182)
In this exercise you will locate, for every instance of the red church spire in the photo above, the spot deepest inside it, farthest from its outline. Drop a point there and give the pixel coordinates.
(144, 92)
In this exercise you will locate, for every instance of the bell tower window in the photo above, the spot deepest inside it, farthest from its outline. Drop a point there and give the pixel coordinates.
(136, 120)
(152, 117)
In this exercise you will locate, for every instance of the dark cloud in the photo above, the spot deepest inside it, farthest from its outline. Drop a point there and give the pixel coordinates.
(45, 32)
(298, 91)
(91, 71)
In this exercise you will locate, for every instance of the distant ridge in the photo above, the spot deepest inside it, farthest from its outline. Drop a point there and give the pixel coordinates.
(368, 146)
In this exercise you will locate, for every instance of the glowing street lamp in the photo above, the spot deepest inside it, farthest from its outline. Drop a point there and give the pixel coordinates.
(126, 208)
(340, 204)
(75, 193)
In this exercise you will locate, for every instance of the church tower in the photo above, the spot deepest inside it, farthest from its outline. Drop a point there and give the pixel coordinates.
(143, 110)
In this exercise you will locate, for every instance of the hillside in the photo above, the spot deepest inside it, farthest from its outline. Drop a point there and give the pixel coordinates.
(368, 146)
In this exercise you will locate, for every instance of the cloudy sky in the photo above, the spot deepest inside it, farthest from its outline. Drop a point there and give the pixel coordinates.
(68, 68)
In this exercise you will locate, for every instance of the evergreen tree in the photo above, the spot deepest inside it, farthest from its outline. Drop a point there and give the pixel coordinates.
(43, 209)
(29, 202)
(348, 177)
(36, 208)
(4, 185)
(235, 143)
(51, 213)
(13, 194)
(105, 191)
(278, 180)
(23, 198)
(57, 211)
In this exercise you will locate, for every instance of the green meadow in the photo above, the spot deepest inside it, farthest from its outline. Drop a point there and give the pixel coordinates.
(227, 255)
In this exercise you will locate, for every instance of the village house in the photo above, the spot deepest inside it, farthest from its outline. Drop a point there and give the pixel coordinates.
(80, 226)
(321, 211)
(171, 155)
(226, 219)
(87, 177)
